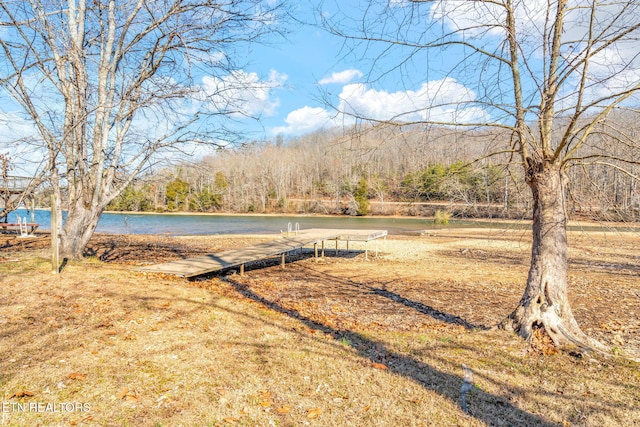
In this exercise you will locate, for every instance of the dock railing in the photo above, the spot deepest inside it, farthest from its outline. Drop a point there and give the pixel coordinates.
(291, 230)
(15, 184)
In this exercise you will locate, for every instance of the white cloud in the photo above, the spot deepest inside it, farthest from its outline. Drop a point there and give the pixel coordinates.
(343, 77)
(615, 69)
(243, 93)
(612, 70)
(19, 139)
(209, 57)
(439, 101)
(15, 128)
(304, 120)
(445, 101)
(479, 19)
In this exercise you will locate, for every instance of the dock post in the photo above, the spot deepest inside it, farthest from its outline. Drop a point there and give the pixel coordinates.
(283, 257)
(323, 249)
(241, 269)
(336, 247)
(315, 250)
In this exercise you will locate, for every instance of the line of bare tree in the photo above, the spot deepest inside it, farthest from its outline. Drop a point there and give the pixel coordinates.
(410, 171)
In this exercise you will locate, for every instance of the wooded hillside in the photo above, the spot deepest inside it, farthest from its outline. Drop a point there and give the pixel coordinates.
(383, 170)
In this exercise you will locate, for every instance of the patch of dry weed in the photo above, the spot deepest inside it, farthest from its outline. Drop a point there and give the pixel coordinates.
(345, 341)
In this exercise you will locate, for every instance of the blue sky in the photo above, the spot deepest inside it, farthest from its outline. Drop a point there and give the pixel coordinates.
(289, 76)
(305, 63)
(311, 62)
(306, 57)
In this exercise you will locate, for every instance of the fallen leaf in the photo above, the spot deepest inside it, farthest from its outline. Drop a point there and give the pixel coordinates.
(123, 393)
(77, 376)
(131, 397)
(110, 333)
(266, 403)
(314, 413)
(283, 410)
(265, 394)
(104, 325)
(379, 366)
(230, 420)
(366, 408)
(23, 393)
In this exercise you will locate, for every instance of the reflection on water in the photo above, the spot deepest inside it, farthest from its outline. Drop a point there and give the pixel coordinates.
(180, 225)
(131, 223)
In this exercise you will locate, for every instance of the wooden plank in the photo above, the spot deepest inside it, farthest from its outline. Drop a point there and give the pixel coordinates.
(340, 234)
(197, 266)
(353, 235)
(33, 226)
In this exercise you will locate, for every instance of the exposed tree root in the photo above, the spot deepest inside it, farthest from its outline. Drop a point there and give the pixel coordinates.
(548, 333)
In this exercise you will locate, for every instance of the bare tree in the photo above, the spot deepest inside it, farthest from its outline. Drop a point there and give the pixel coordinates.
(5, 186)
(550, 73)
(112, 87)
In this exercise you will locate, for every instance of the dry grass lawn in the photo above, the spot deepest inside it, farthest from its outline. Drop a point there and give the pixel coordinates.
(346, 341)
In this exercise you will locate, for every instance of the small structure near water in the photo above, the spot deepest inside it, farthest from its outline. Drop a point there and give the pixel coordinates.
(200, 265)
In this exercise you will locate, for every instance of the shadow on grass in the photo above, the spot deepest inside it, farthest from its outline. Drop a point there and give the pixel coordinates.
(63, 265)
(483, 406)
(428, 310)
(382, 291)
(119, 248)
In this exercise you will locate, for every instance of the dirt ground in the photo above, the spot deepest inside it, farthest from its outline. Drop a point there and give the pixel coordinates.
(450, 285)
(468, 277)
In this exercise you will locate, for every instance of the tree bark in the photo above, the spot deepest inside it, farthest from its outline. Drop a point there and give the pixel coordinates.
(545, 303)
(78, 228)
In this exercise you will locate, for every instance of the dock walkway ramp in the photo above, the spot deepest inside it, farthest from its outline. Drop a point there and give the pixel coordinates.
(196, 266)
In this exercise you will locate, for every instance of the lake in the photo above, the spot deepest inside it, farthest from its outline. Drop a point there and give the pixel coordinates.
(202, 224)
(181, 224)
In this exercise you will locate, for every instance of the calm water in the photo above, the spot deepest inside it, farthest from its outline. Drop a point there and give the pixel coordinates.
(128, 223)
(180, 225)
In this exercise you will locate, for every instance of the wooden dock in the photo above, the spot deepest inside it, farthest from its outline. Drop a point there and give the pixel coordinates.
(197, 266)
(15, 184)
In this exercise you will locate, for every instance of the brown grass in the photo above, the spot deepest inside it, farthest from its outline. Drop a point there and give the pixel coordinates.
(341, 342)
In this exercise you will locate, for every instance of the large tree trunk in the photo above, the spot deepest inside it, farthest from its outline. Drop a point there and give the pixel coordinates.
(545, 303)
(78, 228)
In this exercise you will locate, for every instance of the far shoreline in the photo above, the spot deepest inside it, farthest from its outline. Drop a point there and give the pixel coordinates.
(485, 221)
(571, 223)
